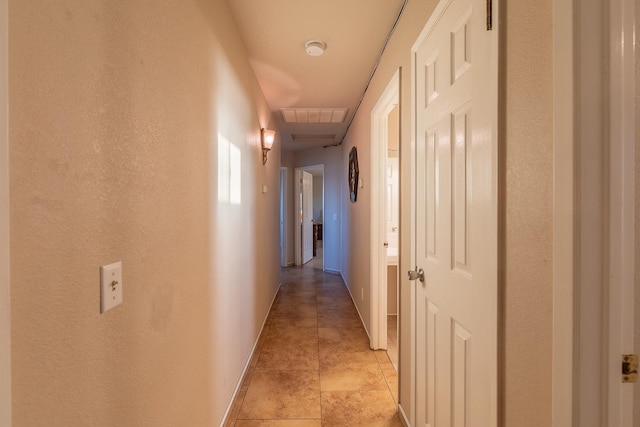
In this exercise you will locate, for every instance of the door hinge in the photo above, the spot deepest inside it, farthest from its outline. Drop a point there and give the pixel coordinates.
(489, 15)
(629, 368)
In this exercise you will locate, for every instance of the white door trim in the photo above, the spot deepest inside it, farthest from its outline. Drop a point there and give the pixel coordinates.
(296, 217)
(593, 243)
(283, 217)
(296, 205)
(564, 223)
(621, 208)
(378, 255)
(563, 217)
(5, 304)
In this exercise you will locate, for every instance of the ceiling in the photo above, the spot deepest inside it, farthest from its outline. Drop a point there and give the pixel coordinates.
(318, 87)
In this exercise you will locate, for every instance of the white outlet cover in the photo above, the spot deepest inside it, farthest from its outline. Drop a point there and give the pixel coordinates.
(110, 286)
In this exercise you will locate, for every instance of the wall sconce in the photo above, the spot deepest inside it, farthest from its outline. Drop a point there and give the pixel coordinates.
(267, 137)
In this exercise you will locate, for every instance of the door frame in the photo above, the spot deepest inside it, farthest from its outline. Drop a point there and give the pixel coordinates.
(621, 115)
(296, 217)
(564, 241)
(283, 216)
(5, 303)
(584, 342)
(378, 257)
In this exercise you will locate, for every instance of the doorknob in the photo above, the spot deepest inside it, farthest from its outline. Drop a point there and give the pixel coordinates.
(414, 275)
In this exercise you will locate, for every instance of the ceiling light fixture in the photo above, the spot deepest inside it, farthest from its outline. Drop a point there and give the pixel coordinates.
(315, 47)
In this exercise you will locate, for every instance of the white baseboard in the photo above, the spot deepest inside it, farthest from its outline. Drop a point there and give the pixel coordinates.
(246, 365)
(403, 416)
(364, 325)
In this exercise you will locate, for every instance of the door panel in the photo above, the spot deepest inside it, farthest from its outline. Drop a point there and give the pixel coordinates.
(456, 218)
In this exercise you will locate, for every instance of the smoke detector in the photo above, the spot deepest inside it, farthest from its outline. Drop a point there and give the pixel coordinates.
(315, 47)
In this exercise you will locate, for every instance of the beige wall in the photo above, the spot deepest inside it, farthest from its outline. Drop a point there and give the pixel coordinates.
(124, 119)
(288, 162)
(636, 339)
(526, 211)
(5, 321)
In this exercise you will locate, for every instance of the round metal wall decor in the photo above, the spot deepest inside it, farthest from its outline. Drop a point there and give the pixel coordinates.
(353, 174)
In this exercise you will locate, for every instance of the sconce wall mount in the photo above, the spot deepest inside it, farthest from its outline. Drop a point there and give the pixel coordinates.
(267, 138)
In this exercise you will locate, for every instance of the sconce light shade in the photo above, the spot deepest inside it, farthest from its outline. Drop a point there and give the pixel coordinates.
(267, 137)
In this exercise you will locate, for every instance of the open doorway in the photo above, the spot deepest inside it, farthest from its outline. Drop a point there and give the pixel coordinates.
(385, 225)
(309, 216)
(392, 217)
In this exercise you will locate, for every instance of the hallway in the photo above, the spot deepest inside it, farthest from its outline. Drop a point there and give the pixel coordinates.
(313, 366)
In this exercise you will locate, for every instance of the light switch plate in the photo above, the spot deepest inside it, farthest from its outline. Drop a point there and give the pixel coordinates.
(110, 286)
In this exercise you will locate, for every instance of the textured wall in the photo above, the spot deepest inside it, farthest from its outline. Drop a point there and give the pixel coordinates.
(527, 191)
(134, 136)
(288, 162)
(5, 338)
(636, 339)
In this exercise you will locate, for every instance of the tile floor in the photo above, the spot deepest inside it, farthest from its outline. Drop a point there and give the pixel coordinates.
(316, 261)
(313, 366)
(392, 339)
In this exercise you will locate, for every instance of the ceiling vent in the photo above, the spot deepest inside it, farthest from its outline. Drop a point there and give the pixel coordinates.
(313, 138)
(314, 115)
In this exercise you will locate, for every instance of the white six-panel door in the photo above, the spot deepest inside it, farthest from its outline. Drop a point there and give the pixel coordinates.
(455, 78)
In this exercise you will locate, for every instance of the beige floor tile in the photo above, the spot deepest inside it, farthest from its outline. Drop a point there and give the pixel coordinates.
(296, 310)
(343, 340)
(351, 371)
(282, 394)
(285, 332)
(235, 408)
(391, 376)
(360, 358)
(294, 356)
(295, 320)
(298, 298)
(383, 358)
(338, 319)
(278, 423)
(349, 309)
(332, 288)
(335, 303)
(359, 409)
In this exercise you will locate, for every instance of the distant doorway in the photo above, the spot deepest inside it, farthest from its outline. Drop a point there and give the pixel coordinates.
(309, 216)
